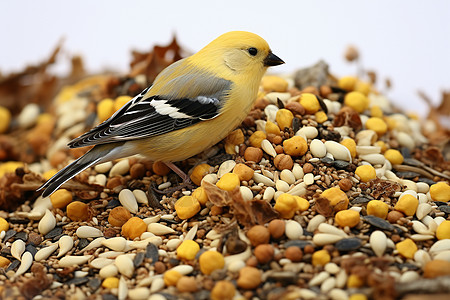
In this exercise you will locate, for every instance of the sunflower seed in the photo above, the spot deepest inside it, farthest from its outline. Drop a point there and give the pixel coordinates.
(378, 242)
(47, 223)
(268, 148)
(68, 261)
(159, 229)
(128, 200)
(88, 232)
(26, 262)
(17, 249)
(65, 245)
(45, 252)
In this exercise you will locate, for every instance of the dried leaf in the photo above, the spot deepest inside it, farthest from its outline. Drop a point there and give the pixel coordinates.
(348, 117)
(324, 207)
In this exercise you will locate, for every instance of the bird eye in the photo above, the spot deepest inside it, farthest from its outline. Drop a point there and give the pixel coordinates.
(252, 51)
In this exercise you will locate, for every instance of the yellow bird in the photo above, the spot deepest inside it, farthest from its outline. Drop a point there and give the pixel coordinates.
(193, 104)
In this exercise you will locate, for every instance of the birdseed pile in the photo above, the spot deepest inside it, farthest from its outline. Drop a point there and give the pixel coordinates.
(325, 191)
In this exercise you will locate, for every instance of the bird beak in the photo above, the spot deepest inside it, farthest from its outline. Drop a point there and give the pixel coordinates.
(272, 60)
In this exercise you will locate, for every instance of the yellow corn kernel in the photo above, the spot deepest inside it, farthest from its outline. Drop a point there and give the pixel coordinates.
(49, 174)
(356, 100)
(377, 208)
(274, 84)
(256, 138)
(78, 211)
(244, 172)
(121, 101)
(394, 156)
(366, 173)
(188, 249)
(347, 83)
(354, 281)
(10, 167)
(61, 198)
(406, 248)
(210, 261)
(336, 196)
(200, 194)
(320, 258)
(229, 182)
(440, 192)
(110, 283)
(295, 146)
(272, 128)
(350, 144)
(284, 118)
(407, 204)
(171, 277)
(5, 119)
(302, 203)
(187, 207)
(377, 125)
(376, 112)
(199, 172)
(321, 117)
(133, 228)
(358, 297)
(105, 109)
(363, 87)
(347, 217)
(443, 230)
(286, 205)
(4, 262)
(310, 103)
(236, 137)
(4, 225)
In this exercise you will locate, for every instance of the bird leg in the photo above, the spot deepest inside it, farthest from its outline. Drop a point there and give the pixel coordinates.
(187, 183)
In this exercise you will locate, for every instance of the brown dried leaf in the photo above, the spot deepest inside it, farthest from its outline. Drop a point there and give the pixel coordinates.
(217, 196)
(35, 285)
(324, 207)
(381, 188)
(348, 117)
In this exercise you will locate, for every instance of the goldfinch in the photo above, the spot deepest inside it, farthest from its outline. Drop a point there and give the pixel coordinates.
(193, 104)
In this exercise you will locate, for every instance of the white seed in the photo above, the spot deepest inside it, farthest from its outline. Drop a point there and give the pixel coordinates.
(236, 265)
(364, 150)
(308, 179)
(297, 170)
(422, 187)
(88, 232)
(100, 262)
(183, 269)
(271, 112)
(378, 242)
(154, 219)
(338, 151)
(128, 200)
(315, 222)
(421, 237)
(439, 246)
(45, 252)
(282, 186)
(327, 228)
(110, 254)
(243, 256)
(157, 285)
(268, 148)
(366, 137)
(332, 268)
(94, 244)
(298, 190)
(444, 255)
(288, 176)
(405, 140)
(47, 223)
(410, 185)
(100, 179)
(164, 185)
(317, 148)
(341, 279)
(319, 278)
(268, 194)
(159, 229)
(409, 276)
(103, 167)
(17, 249)
(422, 210)
(28, 115)
(307, 294)
(309, 132)
(268, 174)
(374, 159)
(213, 235)
(120, 168)
(328, 284)
(70, 260)
(65, 245)
(293, 230)
(122, 290)
(261, 125)
(226, 167)
(246, 193)
(173, 244)
(274, 96)
(421, 228)
(115, 243)
(141, 197)
(25, 264)
(422, 257)
(211, 178)
(80, 274)
(422, 197)
(191, 233)
(338, 294)
(109, 271)
(263, 179)
(322, 239)
(139, 293)
(125, 265)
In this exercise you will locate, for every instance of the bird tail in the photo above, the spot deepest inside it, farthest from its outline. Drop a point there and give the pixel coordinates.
(94, 156)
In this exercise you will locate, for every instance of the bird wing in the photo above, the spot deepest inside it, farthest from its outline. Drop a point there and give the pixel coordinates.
(149, 115)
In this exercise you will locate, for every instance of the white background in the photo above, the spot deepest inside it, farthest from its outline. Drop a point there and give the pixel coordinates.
(407, 41)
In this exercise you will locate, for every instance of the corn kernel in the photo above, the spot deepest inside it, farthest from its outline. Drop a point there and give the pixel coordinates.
(358, 297)
(110, 283)
(274, 84)
(256, 138)
(223, 290)
(440, 192)
(61, 198)
(336, 196)
(188, 249)
(236, 137)
(321, 117)
(4, 225)
(244, 172)
(229, 182)
(134, 228)
(210, 261)
(121, 101)
(443, 230)
(302, 203)
(49, 174)
(310, 103)
(5, 119)
(366, 173)
(394, 156)
(272, 128)
(78, 211)
(186, 207)
(347, 217)
(4, 262)
(407, 204)
(199, 172)
(406, 248)
(295, 146)
(320, 258)
(286, 205)
(354, 281)
(200, 194)
(356, 100)
(382, 146)
(105, 109)
(10, 167)
(347, 82)
(350, 144)
(171, 277)
(391, 123)
(377, 125)
(363, 87)
(284, 118)
(377, 208)
(376, 112)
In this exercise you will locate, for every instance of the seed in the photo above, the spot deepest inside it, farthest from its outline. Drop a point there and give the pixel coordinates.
(78, 211)
(26, 262)
(263, 179)
(338, 151)
(17, 249)
(268, 194)
(244, 172)
(115, 243)
(128, 200)
(69, 261)
(268, 148)
(45, 252)
(258, 234)
(315, 222)
(283, 161)
(65, 245)
(322, 239)
(318, 148)
(120, 168)
(102, 262)
(88, 232)
(246, 193)
(134, 228)
(293, 230)
(249, 278)
(159, 229)
(61, 198)
(378, 242)
(124, 265)
(228, 182)
(118, 216)
(226, 167)
(109, 270)
(47, 223)
(188, 250)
